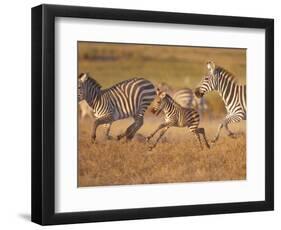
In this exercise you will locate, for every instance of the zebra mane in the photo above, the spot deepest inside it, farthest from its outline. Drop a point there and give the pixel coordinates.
(128, 80)
(122, 83)
(221, 72)
(169, 98)
(94, 83)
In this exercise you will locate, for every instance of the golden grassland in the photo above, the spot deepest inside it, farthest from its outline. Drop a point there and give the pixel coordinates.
(177, 158)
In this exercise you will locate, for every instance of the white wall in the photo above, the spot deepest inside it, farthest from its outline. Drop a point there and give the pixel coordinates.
(15, 127)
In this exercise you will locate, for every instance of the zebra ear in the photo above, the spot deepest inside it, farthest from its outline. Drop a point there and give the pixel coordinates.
(211, 66)
(157, 91)
(162, 95)
(83, 77)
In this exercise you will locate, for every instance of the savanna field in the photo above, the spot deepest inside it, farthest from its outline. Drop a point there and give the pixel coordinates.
(178, 156)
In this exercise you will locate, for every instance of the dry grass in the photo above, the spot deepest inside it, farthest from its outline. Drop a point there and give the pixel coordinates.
(177, 158)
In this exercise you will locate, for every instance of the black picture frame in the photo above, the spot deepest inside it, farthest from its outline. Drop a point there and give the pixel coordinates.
(43, 114)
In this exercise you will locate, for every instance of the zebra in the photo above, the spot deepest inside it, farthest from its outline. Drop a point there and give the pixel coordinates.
(129, 98)
(186, 98)
(86, 111)
(232, 93)
(175, 116)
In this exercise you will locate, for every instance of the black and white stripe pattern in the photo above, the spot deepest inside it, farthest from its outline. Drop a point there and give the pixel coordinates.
(175, 116)
(232, 93)
(86, 111)
(186, 98)
(129, 98)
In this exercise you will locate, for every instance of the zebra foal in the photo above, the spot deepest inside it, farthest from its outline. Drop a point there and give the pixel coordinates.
(175, 116)
(129, 98)
(232, 93)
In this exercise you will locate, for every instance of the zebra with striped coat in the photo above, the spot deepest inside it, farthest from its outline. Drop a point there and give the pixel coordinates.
(175, 116)
(186, 98)
(232, 93)
(86, 111)
(129, 98)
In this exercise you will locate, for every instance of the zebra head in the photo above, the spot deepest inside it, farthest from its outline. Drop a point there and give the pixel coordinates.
(81, 79)
(209, 81)
(88, 88)
(158, 103)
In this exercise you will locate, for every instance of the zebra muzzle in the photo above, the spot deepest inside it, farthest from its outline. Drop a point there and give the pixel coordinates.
(198, 93)
(155, 111)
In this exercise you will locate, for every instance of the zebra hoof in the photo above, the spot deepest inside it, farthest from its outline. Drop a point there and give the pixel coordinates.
(109, 138)
(213, 141)
(128, 139)
(93, 141)
(151, 147)
(233, 135)
(147, 139)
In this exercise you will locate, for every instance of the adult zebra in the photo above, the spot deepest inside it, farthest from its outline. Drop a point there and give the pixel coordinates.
(86, 111)
(232, 93)
(175, 116)
(186, 98)
(129, 98)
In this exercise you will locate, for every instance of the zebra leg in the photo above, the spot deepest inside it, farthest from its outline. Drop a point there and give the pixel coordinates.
(202, 131)
(228, 119)
(232, 119)
(128, 130)
(198, 137)
(218, 133)
(94, 130)
(97, 122)
(130, 133)
(229, 133)
(108, 126)
(161, 135)
(161, 126)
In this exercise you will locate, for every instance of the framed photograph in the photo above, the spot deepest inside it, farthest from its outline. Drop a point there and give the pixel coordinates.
(141, 114)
